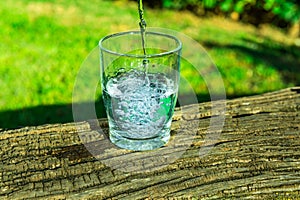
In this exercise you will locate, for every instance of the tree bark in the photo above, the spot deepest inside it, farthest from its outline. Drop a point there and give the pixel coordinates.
(255, 155)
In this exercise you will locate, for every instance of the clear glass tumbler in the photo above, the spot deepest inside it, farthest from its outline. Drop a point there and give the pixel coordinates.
(139, 87)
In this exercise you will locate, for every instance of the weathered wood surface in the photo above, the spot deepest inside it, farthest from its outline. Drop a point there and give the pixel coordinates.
(257, 156)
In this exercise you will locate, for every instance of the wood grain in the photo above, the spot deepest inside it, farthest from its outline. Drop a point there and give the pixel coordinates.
(255, 155)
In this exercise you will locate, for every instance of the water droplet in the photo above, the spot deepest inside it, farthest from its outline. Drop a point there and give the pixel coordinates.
(122, 70)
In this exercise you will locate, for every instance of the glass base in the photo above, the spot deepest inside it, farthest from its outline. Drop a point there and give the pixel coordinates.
(140, 144)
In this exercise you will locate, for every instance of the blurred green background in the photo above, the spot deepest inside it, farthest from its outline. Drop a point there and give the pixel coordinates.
(44, 42)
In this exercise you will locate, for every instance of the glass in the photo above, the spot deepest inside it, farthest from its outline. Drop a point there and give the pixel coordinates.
(139, 87)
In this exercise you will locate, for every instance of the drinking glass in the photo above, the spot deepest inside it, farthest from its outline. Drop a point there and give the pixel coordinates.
(139, 81)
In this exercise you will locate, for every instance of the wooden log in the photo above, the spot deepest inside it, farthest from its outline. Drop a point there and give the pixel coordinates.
(254, 156)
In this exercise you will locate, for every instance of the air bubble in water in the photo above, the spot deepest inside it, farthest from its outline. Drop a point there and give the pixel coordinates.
(139, 108)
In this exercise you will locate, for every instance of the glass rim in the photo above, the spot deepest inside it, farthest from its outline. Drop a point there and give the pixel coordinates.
(178, 42)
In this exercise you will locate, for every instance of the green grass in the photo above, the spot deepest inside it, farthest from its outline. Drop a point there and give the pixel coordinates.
(43, 44)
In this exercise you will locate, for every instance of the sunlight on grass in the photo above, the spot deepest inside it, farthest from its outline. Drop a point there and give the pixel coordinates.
(43, 44)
